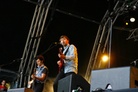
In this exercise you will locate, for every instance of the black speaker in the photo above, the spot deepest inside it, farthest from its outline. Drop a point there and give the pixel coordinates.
(118, 78)
(126, 90)
(71, 82)
(121, 90)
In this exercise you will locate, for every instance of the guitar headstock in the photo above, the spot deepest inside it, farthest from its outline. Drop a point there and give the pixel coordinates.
(60, 50)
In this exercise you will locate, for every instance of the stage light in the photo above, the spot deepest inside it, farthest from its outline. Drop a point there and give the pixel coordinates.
(132, 19)
(126, 23)
(126, 20)
(105, 58)
(134, 7)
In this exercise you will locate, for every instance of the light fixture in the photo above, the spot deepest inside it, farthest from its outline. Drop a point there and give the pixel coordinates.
(134, 7)
(126, 23)
(105, 58)
(132, 19)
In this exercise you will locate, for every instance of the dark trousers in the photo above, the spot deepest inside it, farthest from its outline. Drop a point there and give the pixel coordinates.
(38, 87)
(60, 76)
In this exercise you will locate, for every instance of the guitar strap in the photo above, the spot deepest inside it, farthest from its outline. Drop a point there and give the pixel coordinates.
(66, 50)
(65, 54)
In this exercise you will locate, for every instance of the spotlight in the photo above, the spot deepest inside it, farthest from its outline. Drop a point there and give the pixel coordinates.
(132, 19)
(105, 58)
(134, 7)
(126, 23)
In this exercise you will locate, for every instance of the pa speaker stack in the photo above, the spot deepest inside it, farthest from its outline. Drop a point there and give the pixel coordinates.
(71, 82)
(118, 78)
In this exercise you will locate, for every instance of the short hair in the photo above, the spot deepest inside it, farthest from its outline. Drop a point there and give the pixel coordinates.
(41, 57)
(64, 36)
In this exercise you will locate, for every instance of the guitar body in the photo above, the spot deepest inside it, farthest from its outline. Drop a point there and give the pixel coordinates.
(61, 65)
(30, 83)
(61, 61)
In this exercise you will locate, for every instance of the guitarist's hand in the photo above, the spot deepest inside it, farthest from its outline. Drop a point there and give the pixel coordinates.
(61, 56)
(33, 76)
(30, 82)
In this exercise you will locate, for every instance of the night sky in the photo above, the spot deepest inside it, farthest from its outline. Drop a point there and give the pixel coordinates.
(15, 21)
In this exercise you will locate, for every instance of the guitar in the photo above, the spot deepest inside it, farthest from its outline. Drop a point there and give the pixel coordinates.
(32, 81)
(61, 61)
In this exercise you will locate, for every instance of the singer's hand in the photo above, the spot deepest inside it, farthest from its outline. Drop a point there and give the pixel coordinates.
(59, 63)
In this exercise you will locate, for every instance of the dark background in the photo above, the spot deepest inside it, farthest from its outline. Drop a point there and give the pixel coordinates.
(15, 21)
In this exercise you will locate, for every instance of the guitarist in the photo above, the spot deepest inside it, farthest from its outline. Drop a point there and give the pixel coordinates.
(69, 56)
(40, 75)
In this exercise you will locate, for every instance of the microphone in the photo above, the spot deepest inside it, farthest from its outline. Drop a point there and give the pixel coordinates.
(56, 43)
(18, 59)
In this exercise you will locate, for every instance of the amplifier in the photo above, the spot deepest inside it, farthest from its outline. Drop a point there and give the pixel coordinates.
(119, 78)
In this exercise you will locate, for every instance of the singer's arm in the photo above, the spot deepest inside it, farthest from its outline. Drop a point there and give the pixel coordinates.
(72, 53)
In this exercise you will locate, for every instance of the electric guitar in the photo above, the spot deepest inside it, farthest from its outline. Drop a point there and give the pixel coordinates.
(32, 81)
(61, 61)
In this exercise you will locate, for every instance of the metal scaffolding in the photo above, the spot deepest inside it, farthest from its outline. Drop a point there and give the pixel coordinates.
(103, 39)
(133, 34)
(102, 42)
(33, 40)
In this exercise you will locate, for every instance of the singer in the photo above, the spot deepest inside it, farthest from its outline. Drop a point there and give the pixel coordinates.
(68, 63)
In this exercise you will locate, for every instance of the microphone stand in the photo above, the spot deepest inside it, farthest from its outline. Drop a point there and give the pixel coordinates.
(134, 63)
(50, 47)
